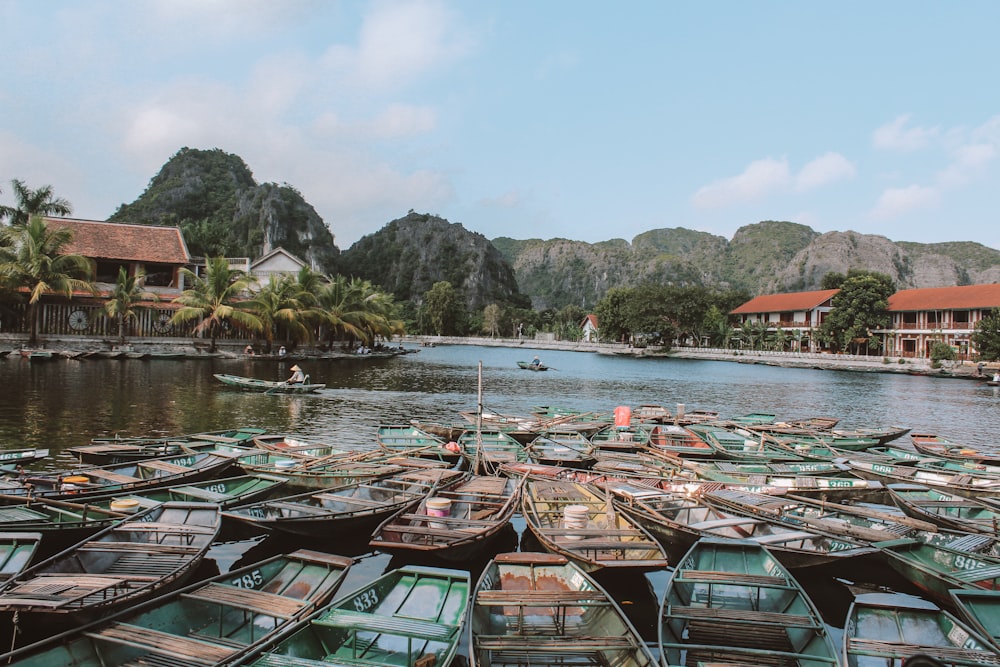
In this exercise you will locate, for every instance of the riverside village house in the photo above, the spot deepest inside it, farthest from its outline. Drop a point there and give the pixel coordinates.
(919, 317)
(158, 252)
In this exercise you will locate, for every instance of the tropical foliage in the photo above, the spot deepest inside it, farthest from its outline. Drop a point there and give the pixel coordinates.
(123, 302)
(861, 306)
(33, 202)
(217, 300)
(986, 337)
(32, 263)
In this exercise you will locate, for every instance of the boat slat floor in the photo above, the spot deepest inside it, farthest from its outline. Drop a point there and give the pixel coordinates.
(193, 651)
(393, 625)
(713, 576)
(972, 543)
(260, 602)
(139, 547)
(532, 598)
(65, 591)
(944, 653)
(702, 656)
(153, 565)
(555, 644)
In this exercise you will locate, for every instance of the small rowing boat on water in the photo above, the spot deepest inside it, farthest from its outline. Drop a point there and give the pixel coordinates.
(17, 550)
(454, 523)
(571, 520)
(889, 629)
(936, 568)
(148, 554)
(981, 610)
(410, 616)
(109, 451)
(935, 445)
(541, 609)
(209, 623)
(730, 602)
(268, 386)
(946, 509)
(11, 458)
(528, 366)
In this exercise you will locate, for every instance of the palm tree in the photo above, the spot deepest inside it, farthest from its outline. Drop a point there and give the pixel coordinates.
(33, 202)
(122, 303)
(215, 300)
(285, 305)
(31, 259)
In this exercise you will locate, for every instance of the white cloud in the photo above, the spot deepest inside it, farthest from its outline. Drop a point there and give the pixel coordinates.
(896, 201)
(760, 178)
(896, 136)
(826, 169)
(967, 161)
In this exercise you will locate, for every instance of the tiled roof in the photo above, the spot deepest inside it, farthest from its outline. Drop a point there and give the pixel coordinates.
(777, 303)
(115, 241)
(590, 318)
(946, 298)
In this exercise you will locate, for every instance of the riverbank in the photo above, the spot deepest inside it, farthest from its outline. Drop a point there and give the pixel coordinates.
(842, 362)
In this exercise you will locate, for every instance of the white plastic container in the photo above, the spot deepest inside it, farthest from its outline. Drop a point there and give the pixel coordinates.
(438, 507)
(575, 516)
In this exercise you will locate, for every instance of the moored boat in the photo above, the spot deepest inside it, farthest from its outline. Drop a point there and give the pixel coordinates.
(932, 444)
(936, 569)
(454, 523)
(208, 623)
(541, 609)
(946, 509)
(981, 610)
(17, 550)
(884, 629)
(571, 520)
(409, 616)
(150, 553)
(268, 386)
(731, 602)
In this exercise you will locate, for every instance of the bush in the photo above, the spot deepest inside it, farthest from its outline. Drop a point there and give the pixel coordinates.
(941, 351)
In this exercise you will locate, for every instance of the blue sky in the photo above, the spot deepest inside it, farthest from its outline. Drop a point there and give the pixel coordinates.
(582, 120)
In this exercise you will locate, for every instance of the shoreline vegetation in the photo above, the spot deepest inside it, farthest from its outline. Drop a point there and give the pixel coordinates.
(87, 347)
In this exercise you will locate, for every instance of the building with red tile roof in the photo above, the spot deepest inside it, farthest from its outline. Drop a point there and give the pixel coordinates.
(589, 328)
(796, 313)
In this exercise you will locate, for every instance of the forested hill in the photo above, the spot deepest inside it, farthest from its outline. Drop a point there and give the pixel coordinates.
(212, 196)
(222, 210)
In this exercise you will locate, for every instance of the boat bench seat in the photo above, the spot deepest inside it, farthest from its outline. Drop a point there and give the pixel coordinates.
(64, 590)
(300, 508)
(157, 527)
(163, 466)
(563, 644)
(393, 625)
(594, 544)
(193, 651)
(278, 660)
(540, 598)
(979, 573)
(147, 547)
(261, 602)
(742, 616)
(714, 577)
(203, 494)
(110, 476)
(725, 523)
(946, 654)
(781, 538)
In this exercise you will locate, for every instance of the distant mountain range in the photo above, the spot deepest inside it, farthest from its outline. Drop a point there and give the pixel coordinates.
(213, 197)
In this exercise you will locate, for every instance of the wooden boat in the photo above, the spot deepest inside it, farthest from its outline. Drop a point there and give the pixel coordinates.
(883, 435)
(936, 445)
(846, 443)
(860, 522)
(109, 451)
(728, 471)
(541, 609)
(326, 473)
(447, 431)
(571, 520)
(487, 450)
(754, 419)
(208, 623)
(945, 509)
(678, 521)
(11, 458)
(528, 366)
(409, 616)
(737, 444)
(225, 492)
(17, 550)
(935, 569)
(349, 509)
(981, 610)
(267, 386)
(616, 439)
(636, 464)
(58, 524)
(408, 440)
(78, 484)
(966, 484)
(570, 449)
(147, 555)
(453, 523)
(732, 602)
(890, 630)
(676, 440)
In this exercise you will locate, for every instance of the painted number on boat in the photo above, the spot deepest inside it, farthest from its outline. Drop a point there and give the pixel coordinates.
(251, 579)
(966, 563)
(216, 488)
(366, 600)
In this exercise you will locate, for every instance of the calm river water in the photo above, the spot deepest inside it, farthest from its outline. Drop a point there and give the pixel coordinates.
(62, 403)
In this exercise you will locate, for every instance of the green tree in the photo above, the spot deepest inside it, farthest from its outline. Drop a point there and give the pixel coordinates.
(217, 300)
(612, 313)
(491, 319)
(123, 302)
(832, 280)
(442, 308)
(716, 324)
(986, 337)
(284, 307)
(30, 203)
(32, 259)
(861, 305)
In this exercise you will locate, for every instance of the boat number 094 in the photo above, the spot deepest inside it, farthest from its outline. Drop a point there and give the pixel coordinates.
(366, 600)
(251, 579)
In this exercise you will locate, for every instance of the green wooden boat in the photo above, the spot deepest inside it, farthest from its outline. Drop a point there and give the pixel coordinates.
(676, 440)
(408, 440)
(267, 386)
(981, 610)
(888, 629)
(737, 444)
(540, 609)
(11, 458)
(937, 568)
(411, 616)
(947, 510)
(17, 550)
(966, 483)
(935, 445)
(209, 623)
(58, 524)
(109, 451)
(732, 602)
(570, 449)
(487, 450)
(528, 366)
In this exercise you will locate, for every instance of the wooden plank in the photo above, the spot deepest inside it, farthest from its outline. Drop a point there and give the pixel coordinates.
(260, 602)
(742, 616)
(394, 625)
(712, 576)
(195, 651)
(534, 598)
(944, 653)
(163, 466)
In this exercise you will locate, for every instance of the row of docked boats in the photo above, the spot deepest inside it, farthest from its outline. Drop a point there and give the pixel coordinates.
(633, 507)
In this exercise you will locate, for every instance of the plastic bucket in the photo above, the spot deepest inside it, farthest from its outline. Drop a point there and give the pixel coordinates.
(679, 410)
(438, 507)
(285, 464)
(125, 506)
(575, 516)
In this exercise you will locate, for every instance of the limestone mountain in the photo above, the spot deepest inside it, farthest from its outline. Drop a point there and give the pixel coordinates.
(410, 254)
(213, 197)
